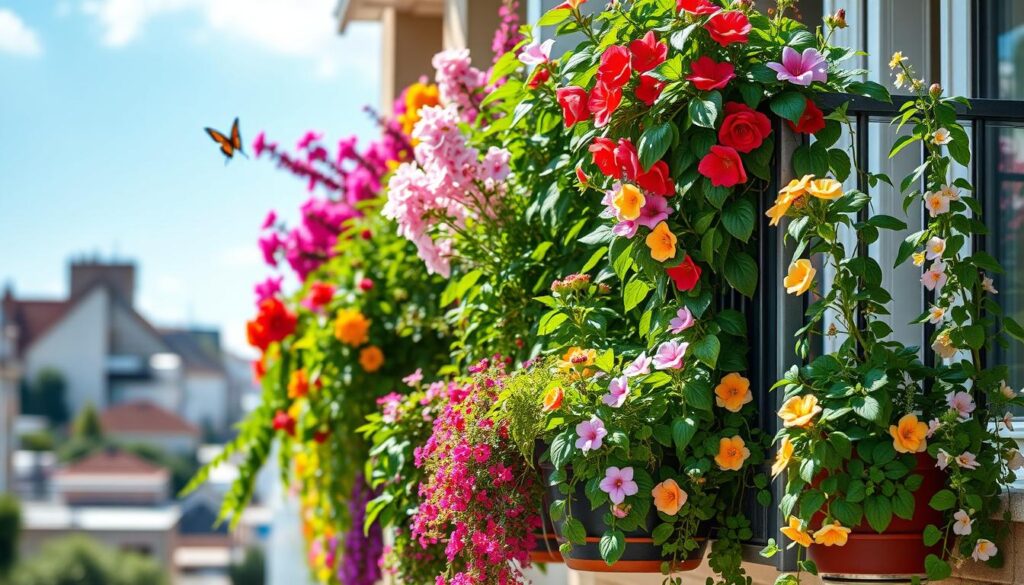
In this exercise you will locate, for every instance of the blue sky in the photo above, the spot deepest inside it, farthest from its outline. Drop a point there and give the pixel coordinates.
(102, 105)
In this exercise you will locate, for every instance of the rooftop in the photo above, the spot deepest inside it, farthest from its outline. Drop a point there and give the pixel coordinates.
(144, 418)
(112, 462)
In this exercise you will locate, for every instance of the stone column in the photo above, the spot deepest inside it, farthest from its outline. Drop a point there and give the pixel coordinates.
(471, 24)
(409, 42)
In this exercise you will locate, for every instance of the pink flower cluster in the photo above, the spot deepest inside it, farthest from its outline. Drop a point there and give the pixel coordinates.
(458, 82)
(488, 536)
(507, 36)
(448, 183)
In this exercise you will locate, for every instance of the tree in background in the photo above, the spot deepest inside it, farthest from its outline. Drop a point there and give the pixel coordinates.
(251, 571)
(87, 426)
(79, 560)
(46, 396)
(10, 527)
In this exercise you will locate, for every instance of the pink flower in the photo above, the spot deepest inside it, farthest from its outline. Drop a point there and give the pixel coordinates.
(269, 245)
(270, 219)
(536, 53)
(618, 391)
(366, 284)
(962, 403)
(268, 288)
(935, 277)
(670, 355)
(681, 322)
(639, 367)
(942, 459)
(618, 483)
(933, 426)
(967, 460)
(590, 434)
(620, 511)
(962, 523)
(308, 138)
(654, 211)
(414, 378)
(801, 69)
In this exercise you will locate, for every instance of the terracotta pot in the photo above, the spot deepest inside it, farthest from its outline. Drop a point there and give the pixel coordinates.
(897, 552)
(641, 554)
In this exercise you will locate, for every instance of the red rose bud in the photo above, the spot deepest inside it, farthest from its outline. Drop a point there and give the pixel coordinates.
(697, 7)
(574, 102)
(728, 27)
(366, 285)
(540, 76)
(284, 422)
(627, 159)
(581, 176)
(743, 128)
(811, 122)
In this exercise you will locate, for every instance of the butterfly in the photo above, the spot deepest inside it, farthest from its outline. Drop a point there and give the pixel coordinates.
(229, 146)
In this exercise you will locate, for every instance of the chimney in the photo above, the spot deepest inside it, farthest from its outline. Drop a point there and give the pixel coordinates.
(119, 277)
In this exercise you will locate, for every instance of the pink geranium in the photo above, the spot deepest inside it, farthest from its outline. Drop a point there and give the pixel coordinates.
(618, 483)
(618, 391)
(962, 403)
(591, 433)
(670, 355)
(801, 68)
(639, 367)
(681, 322)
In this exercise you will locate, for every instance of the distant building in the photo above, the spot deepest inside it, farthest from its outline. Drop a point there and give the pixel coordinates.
(112, 478)
(149, 424)
(108, 353)
(10, 375)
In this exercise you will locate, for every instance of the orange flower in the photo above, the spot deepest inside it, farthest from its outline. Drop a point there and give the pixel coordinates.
(662, 242)
(733, 392)
(628, 201)
(577, 358)
(783, 456)
(371, 358)
(417, 96)
(553, 399)
(826, 189)
(796, 533)
(909, 435)
(787, 195)
(298, 384)
(799, 411)
(668, 497)
(351, 327)
(731, 453)
(833, 534)
(800, 277)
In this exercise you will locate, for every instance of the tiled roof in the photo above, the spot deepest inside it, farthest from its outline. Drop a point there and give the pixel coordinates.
(113, 462)
(199, 350)
(34, 317)
(144, 418)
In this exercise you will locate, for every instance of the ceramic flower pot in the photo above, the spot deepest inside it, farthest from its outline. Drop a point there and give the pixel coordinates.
(641, 555)
(899, 552)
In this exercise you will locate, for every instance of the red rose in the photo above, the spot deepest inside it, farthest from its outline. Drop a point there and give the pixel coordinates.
(811, 122)
(698, 7)
(649, 89)
(627, 159)
(647, 52)
(320, 293)
(614, 70)
(284, 422)
(657, 180)
(574, 104)
(743, 129)
(728, 27)
(686, 275)
(603, 102)
(706, 74)
(540, 76)
(603, 151)
(273, 323)
(723, 166)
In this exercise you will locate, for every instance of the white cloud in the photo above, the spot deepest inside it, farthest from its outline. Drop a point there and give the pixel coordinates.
(298, 28)
(16, 37)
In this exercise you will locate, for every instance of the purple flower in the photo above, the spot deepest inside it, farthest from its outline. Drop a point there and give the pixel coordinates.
(682, 321)
(590, 434)
(641, 366)
(654, 211)
(801, 69)
(536, 53)
(618, 391)
(670, 355)
(618, 483)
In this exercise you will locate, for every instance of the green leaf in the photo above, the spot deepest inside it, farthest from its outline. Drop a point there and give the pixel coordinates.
(869, 89)
(741, 273)
(848, 513)
(936, 568)
(679, 38)
(839, 162)
(635, 293)
(707, 349)
(662, 533)
(562, 447)
(974, 335)
(697, 393)
(613, 544)
(1013, 328)
(903, 503)
(683, 430)
(732, 322)
(704, 112)
(789, 105)
(878, 510)
(550, 322)
(654, 143)
(932, 535)
(867, 407)
(943, 500)
(574, 532)
(739, 219)
(554, 16)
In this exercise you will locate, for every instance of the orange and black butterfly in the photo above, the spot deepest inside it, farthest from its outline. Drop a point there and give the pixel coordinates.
(229, 146)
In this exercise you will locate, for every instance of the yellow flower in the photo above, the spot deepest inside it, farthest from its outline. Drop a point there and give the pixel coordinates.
(909, 435)
(796, 533)
(783, 457)
(577, 358)
(826, 189)
(833, 534)
(800, 277)
(731, 453)
(351, 327)
(669, 497)
(418, 96)
(371, 358)
(662, 242)
(628, 201)
(897, 58)
(733, 392)
(918, 258)
(799, 411)
(298, 384)
(787, 195)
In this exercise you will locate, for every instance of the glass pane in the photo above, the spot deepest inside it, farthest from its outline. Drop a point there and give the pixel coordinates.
(1005, 180)
(1002, 49)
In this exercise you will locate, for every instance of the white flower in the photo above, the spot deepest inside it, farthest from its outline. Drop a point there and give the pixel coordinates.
(942, 137)
(988, 286)
(935, 277)
(937, 203)
(943, 347)
(963, 523)
(1008, 421)
(936, 315)
(967, 460)
(1014, 459)
(951, 193)
(1007, 392)
(935, 247)
(984, 550)
(942, 459)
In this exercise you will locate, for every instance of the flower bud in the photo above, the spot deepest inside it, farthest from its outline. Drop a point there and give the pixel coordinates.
(935, 90)
(837, 20)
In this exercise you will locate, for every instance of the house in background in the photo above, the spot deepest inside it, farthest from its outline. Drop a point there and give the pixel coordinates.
(109, 354)
(112, 478)
(146, 423)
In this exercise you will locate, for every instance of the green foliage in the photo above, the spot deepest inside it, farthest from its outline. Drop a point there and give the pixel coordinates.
(46, 396)
(86, 426)
(251, 570)
(79, 560)
(10, 531)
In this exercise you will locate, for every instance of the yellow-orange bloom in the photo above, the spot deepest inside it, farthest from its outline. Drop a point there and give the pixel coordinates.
(796, 533)
(669, 497)
(628, 201)
(909, 435)
(351, 327)
(417, 96)
(799, 411)
(298, 384)
(578, 359)
(800, 277)
(787, 195)
(732, 452)
(553, 399)
(371, 358)
(825, 189)
(834, 534)
(783, 456)
(733, 392)
(662, 242)
(918, 258)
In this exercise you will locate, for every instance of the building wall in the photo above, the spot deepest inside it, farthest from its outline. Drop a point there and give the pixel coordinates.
(77, 346)
(173, 442)
(206, 400)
